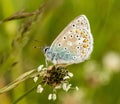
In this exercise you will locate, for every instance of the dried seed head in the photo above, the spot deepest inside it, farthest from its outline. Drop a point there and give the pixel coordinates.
(55, 75)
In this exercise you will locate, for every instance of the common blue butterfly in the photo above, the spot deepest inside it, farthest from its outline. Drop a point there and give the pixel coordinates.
(73, 45)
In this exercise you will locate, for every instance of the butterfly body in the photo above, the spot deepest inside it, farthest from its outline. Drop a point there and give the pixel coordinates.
(73, 45)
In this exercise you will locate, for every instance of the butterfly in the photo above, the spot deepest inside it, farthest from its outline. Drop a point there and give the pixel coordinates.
(73, 45)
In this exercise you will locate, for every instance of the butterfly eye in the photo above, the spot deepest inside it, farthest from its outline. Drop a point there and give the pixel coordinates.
(46, 49)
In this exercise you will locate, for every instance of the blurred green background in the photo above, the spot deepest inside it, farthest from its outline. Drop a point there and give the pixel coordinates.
(98, 78)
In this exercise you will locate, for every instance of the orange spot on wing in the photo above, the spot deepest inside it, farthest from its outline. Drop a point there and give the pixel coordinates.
(77, 31)
(83, 52)
(84, 36)
(85, 45)
(85, 40)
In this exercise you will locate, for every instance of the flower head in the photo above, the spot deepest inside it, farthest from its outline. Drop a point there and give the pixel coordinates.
(39, 89)
(66, 86)
(35, 79)
(56, 76)
(40, 68)
(52, 96)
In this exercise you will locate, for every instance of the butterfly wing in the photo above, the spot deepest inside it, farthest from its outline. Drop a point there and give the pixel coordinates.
(75, 43)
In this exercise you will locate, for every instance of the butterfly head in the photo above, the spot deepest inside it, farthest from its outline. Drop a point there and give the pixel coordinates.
(47, 53)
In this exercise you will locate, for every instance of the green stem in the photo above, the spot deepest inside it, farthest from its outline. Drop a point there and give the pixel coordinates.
(25, 94)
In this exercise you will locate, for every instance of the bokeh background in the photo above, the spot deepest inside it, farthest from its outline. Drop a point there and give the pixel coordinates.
(98, 78)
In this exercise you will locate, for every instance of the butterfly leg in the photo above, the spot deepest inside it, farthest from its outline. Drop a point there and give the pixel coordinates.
(46, 62)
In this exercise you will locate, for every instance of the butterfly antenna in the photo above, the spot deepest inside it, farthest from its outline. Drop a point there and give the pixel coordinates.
(38, 41)
(37, 47)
